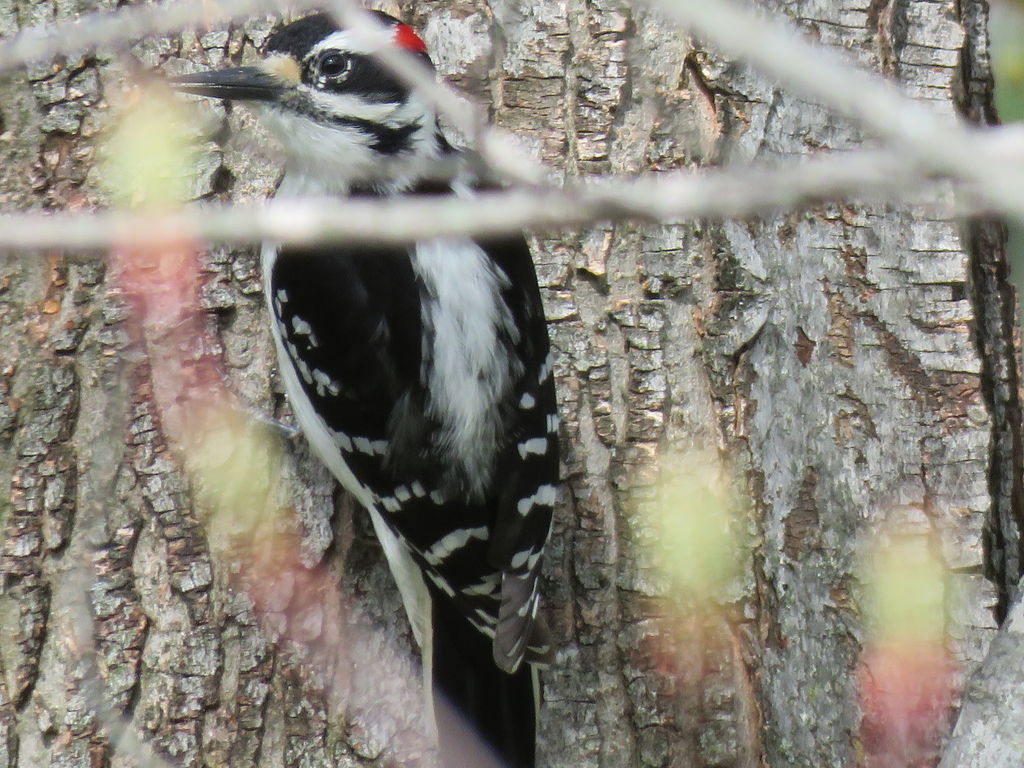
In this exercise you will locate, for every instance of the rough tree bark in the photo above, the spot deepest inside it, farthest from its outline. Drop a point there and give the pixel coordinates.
(855, 365)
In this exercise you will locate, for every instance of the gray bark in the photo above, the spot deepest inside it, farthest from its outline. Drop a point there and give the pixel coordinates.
(855, 365)
(988, 731)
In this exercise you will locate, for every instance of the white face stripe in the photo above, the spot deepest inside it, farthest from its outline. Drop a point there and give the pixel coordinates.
(325, 159)
(355, 41)
(330, 155)
(351, 105)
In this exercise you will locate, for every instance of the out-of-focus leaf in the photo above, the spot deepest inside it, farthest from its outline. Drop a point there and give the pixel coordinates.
(695, 525)
(148, 156)
(908, 590)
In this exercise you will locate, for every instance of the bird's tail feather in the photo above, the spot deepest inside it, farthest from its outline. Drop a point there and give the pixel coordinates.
(485, 717)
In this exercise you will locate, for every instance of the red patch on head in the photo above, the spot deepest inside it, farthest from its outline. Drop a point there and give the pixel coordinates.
(406, 38)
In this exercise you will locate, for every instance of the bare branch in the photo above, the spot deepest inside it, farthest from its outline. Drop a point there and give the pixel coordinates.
(127, 24)
(663, 197)
(495, 147)
(937, 143)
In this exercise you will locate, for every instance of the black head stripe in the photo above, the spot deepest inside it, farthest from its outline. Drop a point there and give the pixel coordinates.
(298, 38)
(368, 78)
(386, 140)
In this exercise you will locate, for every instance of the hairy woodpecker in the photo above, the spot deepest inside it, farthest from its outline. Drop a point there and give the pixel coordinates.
(420, 375)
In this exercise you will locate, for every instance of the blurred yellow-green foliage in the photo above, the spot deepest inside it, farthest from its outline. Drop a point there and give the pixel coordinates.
(907, 592)
(148, 154)
(1007, 31)
(699, 539)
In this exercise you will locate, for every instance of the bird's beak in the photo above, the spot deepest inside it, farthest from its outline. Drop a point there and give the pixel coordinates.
(239, 83)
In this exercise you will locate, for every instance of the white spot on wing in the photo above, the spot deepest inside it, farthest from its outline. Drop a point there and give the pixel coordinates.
(418, 490)
(441, 584)
(544, 496)
(390, 503)
(527, 401)
(485, 617)
(324, 383)
(552, 423)
(301, 328)
(342, 440)
(453, 541)
(545, 369)
(486, 630)
(520, 558)
(402, 494)
(324, 441)
(535, 445)
(485, 587)
(528, 607)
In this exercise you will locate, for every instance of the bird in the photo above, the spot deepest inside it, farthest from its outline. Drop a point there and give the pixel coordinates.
(421, 374)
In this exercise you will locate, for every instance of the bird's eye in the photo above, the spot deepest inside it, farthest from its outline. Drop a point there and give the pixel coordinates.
(334, 65)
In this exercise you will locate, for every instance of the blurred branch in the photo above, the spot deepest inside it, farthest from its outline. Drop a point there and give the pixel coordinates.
(937, 143)
(128, 24)
(663, 197)
(495, 147)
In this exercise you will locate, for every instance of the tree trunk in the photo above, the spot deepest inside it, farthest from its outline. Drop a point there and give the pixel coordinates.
(853, 366)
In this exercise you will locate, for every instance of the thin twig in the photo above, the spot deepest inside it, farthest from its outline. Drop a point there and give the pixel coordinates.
(126, 24)
(495, 147)
(663, 197)
(936, 143)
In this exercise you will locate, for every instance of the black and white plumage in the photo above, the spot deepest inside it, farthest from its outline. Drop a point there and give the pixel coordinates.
(421, 375)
